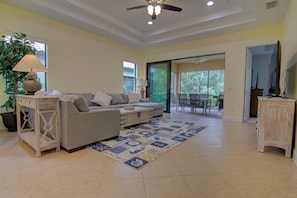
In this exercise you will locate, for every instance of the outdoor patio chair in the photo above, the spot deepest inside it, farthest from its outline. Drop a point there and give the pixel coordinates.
(183, 101)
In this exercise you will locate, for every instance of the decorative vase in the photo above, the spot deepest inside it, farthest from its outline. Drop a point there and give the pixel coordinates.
(31, 84)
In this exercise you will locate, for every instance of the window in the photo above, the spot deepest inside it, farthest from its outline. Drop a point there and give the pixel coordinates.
(129, 75)
(41, 53)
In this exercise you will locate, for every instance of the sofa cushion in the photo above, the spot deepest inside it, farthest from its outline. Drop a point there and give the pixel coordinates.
(78, 101)
(133, 97)
(125, 98)
(116, 99)
(102, 98)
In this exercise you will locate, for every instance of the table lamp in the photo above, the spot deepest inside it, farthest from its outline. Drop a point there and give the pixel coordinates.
(141, 83)
(31, 64)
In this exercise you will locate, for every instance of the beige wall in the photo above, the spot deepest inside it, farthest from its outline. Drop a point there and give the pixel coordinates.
(78, 61)
(234, 46)
(83, 62)
(289, 52)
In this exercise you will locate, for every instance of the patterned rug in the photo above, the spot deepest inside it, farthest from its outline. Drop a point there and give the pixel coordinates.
(143, 143)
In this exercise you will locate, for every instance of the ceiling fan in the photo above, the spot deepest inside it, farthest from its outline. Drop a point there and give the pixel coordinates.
(154, 7)
(199, 60)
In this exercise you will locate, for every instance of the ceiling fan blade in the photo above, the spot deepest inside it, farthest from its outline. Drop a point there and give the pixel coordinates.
(171, 8)
(137, 7)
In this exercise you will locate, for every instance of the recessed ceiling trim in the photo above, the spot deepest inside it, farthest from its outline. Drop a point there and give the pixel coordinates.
(93, 22)
(108, 18)
(199, 30)
(105, 16)
(197, 21)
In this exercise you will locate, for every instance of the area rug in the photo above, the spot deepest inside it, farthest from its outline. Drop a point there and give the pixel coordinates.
(138, 145)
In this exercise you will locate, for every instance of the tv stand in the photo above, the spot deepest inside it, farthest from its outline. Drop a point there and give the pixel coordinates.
(275, 123)
(275, 96)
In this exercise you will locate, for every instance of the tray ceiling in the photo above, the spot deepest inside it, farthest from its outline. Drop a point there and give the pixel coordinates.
(109, 18)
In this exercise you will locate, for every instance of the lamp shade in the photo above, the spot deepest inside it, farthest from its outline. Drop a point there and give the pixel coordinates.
(141, 83)
(30, 63)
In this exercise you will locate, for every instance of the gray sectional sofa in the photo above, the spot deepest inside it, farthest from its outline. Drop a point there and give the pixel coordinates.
(84, 122)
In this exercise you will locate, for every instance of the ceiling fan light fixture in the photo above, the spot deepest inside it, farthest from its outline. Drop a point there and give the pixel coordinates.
(157, 9)
(154, 10)
(210, 3)
(150, 10)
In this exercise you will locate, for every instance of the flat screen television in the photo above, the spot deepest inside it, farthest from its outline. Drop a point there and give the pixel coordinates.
(275, 66)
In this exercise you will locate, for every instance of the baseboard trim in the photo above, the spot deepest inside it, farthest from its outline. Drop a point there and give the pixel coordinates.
(295, 157)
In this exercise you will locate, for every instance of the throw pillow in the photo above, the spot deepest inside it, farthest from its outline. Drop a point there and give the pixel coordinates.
(78, 102)
(81, 104)
(88, 97)
(133, 97)
(125, 98)
(116, 99)
(102, 98)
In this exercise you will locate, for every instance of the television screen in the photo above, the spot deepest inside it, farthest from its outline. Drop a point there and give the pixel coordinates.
(274, 70)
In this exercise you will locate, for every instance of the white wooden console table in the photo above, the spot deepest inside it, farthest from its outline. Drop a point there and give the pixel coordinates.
(38, 121)
(275, 123)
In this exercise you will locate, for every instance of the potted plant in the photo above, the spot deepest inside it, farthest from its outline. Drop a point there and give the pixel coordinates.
(12, 51)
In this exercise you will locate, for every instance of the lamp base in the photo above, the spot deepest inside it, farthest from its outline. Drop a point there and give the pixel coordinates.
(142, 92)
(31, 84)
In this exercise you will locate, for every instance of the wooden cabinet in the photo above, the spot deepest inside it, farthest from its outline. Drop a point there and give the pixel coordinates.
(39, 127)
(254, 101)
(275, 123)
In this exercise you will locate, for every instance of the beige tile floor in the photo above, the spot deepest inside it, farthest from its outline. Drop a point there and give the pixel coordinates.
(221, 161)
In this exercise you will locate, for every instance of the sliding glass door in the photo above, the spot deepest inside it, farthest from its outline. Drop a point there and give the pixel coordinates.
(158, 75)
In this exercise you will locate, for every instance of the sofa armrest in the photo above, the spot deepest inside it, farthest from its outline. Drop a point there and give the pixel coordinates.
(82, 128)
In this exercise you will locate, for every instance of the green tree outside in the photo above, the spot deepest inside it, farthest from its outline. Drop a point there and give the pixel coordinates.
(209, 82)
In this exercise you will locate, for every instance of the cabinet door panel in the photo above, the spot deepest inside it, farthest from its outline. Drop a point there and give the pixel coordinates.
(276, 127)
(275, 123)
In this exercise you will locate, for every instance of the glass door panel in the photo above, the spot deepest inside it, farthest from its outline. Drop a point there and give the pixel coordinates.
(159, 83)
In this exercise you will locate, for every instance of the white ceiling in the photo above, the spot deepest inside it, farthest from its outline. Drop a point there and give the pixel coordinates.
(109, 18)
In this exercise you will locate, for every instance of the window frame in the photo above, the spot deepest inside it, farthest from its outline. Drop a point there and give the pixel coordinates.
(45, 62)
(133, 78)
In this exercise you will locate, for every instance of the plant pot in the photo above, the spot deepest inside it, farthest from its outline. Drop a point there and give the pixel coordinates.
(9, 121)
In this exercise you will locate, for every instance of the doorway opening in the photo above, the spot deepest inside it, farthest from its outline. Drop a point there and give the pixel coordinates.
(257, 78)
(201, 75)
